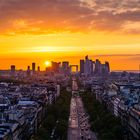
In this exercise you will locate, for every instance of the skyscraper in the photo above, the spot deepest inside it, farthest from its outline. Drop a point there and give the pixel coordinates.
(13, 69)
(91, 67)
(97, 67)
(65, 65)
(28, 71)
(93, 62)
(88, 66)
(28, 68)
(103, 69)
(82, 66)
(55, 66)
(38, 68)
(33, 67)
(107, 67)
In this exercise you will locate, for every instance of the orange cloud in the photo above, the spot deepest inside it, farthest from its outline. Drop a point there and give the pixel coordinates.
(45, 16)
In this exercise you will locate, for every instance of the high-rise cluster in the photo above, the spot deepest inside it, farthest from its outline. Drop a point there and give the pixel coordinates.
(90, 67)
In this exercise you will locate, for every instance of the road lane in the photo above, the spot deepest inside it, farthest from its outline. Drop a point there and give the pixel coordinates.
(79, 127)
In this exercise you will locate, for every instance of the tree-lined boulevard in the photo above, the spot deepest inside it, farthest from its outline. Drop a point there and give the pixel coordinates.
(56, 123)
(78, 117)
(79, 127)
(102, 121)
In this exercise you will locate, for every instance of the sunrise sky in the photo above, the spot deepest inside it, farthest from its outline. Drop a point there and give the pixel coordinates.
(45, 30)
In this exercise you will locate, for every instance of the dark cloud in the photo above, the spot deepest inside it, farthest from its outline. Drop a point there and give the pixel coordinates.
(45, 16)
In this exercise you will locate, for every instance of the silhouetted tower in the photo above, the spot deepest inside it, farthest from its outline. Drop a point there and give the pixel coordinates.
(13, 69)
(28, 71)
(38, 68)
(82, 66)
(33, 67)
(107, 67)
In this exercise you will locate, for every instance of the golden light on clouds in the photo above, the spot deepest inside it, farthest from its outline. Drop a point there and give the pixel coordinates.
(55, 29)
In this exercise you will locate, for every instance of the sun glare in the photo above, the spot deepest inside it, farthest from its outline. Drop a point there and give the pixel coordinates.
(47, 63)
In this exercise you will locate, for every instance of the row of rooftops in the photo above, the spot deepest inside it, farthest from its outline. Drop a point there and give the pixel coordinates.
(20, 104)
(109, 89)
(122, 98)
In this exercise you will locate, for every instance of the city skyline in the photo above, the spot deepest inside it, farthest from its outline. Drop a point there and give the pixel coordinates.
(22, 63)
(45, 30)
(69, 70)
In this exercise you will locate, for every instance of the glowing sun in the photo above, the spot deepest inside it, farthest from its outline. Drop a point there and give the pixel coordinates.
(47, 63)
